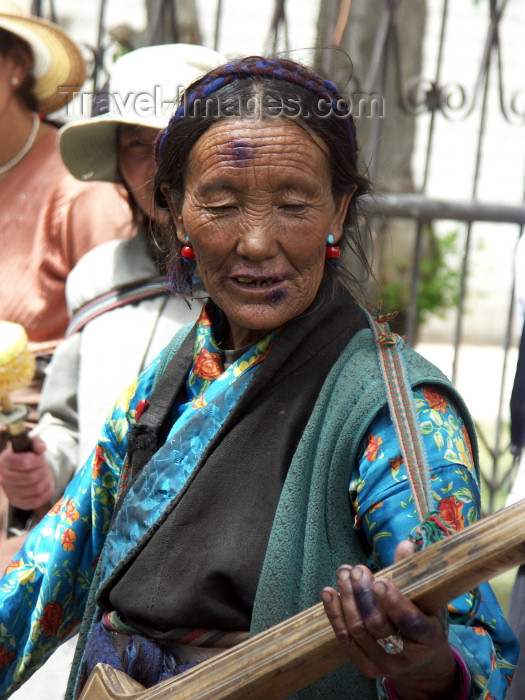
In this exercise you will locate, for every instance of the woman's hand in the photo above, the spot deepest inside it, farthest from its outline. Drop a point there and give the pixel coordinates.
(386, 635)
(27, 477)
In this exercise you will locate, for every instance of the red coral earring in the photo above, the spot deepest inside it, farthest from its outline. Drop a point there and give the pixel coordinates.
(332, 251)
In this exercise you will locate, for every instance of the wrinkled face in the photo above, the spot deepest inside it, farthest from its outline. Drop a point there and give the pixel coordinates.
(137, 165)
(257, 210)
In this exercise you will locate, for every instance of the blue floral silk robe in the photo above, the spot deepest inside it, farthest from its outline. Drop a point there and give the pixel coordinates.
(45, 588)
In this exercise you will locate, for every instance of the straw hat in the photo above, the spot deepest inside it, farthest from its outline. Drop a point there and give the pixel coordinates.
(59, 68)
(143, 87)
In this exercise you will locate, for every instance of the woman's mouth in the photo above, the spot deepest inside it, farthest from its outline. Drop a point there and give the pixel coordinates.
(256, 282)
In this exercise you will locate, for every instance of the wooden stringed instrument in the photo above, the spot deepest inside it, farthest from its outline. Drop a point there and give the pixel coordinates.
(283, 659)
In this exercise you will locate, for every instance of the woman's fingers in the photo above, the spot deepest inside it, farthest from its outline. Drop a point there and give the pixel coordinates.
(357, 619)
(27, 478)
(376, 619)
(38, 445)
(342, 622)
(354, 611)
(334, 613)
(413, 624)
(365, 610)
(340, 607)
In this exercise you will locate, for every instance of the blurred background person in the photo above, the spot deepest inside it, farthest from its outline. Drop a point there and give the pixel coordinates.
(48, 218)
(123, 313)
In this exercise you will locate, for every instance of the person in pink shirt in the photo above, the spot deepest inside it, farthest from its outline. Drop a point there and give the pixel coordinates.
(48, 218)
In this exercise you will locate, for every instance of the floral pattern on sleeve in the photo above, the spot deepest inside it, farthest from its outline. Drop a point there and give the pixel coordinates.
(385, 512)
(42, 605)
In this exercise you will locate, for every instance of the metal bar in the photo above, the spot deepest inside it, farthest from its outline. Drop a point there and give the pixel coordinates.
(491, 42)
(379, 50)
(155, 23)
(98, 53)
(273, 31)
(437, 79)
(218, 20)
(414, 285)
(285, 28)
(163, 25)
(342, 21)
(37, 11)
(411, 329)
(458, 332)
(466, 255)
(330, 10)
(381, 53)
(497, 453)
(417, 206)
(508, 476)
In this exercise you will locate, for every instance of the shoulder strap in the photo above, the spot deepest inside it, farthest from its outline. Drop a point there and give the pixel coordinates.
(116, 298)
(403, 414)
(402, 410)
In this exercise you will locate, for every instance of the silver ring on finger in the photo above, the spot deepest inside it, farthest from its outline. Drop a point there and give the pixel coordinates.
(393, 644)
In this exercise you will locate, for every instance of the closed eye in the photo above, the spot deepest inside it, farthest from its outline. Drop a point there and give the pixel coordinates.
(220, 208)
(293, 208)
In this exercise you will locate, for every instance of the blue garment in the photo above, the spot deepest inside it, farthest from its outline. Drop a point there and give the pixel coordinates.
(212, 392)
(142, 659)
(45, 589)
(380, 492)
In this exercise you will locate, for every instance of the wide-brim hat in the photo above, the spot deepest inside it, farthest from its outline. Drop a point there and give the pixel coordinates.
(59, 68)
(144, 85)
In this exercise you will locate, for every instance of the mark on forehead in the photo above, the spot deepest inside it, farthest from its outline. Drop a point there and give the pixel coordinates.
(240, 151)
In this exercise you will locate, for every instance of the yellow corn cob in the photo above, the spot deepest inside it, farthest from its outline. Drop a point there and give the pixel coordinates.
(17, 364)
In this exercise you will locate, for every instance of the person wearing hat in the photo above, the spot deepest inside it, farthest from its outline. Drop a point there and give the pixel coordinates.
(48, 218)
(122, 312)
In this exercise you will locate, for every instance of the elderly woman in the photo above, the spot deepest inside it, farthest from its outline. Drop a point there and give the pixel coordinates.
(256, 456)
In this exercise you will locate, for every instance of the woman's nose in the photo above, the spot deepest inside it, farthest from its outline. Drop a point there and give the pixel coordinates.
(258, 238)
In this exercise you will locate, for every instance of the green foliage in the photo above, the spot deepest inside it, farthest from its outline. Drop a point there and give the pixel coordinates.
(438, 282)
